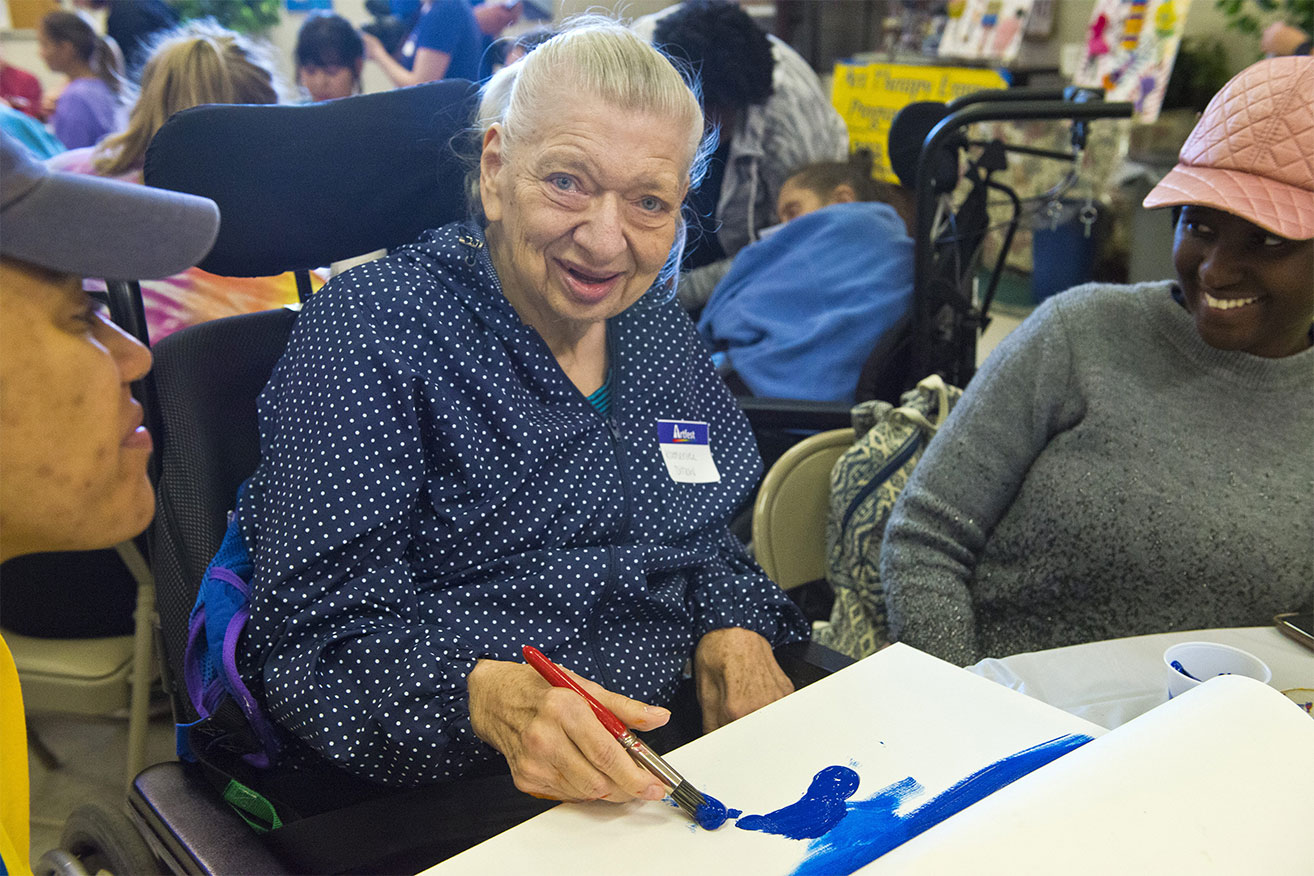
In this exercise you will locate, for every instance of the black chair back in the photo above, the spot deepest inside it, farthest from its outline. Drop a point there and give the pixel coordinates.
(298, 187)
(207, 380)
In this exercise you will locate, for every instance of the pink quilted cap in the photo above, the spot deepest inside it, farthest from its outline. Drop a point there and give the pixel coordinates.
(1252, 152)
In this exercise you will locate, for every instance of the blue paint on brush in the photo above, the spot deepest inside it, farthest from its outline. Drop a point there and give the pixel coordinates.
(872, 827)
(821, 808)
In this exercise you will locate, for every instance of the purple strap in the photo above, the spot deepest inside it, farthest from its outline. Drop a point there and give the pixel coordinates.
(239, 690)
(206, 697)
(192, 665)
(230, 577)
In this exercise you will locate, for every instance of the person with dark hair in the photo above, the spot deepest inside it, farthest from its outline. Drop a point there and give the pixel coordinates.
(802, 309)
(87, 109)
(329, 56)
(1137, 459)
(772, 115)
(72, 445)
(839, 182)
(134, 26)
(446, 43)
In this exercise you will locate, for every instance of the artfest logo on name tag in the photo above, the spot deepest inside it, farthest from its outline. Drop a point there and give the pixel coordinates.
(687, 452)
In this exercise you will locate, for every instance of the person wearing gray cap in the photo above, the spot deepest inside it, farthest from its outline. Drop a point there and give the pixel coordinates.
(73, 450)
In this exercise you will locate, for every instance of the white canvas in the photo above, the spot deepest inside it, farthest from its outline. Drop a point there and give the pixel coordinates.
(896, 714)
(1213, 779)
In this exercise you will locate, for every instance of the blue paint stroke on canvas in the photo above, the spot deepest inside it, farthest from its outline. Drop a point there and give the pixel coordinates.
(713, 813)
(820, 809)
(870, 828)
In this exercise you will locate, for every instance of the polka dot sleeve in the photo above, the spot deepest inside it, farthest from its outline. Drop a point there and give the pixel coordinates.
(433, 490)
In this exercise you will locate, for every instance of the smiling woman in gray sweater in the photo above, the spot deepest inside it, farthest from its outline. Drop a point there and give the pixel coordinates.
(1138, 459)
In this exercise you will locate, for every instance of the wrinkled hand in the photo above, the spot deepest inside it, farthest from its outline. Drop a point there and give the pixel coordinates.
(551, 739)
(1280, 38)
(736, 673)
(374, 49)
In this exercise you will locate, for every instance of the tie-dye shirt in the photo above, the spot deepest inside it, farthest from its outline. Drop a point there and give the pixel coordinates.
(194, 295)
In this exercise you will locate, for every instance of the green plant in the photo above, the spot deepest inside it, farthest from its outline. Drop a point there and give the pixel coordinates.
(1252, 16)
(243, 16)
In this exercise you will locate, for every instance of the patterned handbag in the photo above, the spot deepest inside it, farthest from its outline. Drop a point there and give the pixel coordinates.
(864, 485)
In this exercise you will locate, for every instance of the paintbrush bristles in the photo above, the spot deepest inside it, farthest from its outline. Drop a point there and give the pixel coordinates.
(688, 798)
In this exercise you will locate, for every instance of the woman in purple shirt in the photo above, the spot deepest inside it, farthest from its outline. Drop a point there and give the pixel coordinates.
(87, 109)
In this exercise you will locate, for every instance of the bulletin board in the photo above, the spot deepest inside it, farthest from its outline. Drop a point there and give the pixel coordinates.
(869, 95)
(990, 29)
(1130, 49)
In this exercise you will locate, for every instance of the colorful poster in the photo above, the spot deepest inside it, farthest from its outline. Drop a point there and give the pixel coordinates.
(988, 29)
(1130, 49)
(869, 95)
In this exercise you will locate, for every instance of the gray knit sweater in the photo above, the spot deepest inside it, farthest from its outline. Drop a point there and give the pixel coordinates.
(1107, 474)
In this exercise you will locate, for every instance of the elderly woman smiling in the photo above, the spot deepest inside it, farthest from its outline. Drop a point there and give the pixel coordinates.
(463, 454)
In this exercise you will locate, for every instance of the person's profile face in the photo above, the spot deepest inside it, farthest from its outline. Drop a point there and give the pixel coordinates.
(583, 216)
(52, 51)
(1246, 288)
(328, 81)
(796, 200)
(71, 444)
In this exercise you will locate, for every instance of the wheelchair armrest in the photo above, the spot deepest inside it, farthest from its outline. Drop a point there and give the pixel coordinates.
(191, 828)
(806, 662)
(784, 413)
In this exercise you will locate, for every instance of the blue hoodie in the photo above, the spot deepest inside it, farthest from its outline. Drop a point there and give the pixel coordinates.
(801, 309)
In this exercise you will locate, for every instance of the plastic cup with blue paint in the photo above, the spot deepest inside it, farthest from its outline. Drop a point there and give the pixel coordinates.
(1188, 664)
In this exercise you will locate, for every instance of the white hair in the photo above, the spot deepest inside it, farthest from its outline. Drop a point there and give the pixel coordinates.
(595, 57)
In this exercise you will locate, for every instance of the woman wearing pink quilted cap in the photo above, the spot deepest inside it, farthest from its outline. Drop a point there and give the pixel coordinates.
(1140, 459)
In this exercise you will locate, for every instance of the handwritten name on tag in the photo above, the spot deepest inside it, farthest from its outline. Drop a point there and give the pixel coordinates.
(687, 451)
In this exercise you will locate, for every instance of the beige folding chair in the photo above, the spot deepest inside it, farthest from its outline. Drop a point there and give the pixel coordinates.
(789, 518)
(94, 676)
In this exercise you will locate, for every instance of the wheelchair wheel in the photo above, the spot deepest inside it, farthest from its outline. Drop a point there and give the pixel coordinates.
(99, 839)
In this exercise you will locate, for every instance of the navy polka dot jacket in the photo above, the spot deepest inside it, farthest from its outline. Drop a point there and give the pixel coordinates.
(433, 490)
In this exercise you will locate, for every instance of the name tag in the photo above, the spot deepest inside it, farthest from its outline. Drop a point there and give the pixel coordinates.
(687, 453)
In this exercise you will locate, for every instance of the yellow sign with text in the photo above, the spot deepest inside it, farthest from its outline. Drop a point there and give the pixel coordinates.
(868, 96)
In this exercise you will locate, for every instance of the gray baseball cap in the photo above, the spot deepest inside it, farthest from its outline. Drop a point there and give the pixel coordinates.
(91, 227)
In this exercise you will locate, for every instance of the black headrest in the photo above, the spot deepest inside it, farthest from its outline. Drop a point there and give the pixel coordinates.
(299, 187)
(908, 132)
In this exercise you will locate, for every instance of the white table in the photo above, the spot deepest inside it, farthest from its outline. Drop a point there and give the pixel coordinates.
(1109, 683)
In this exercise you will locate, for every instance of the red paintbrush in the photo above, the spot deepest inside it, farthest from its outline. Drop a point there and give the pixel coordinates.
(685, 795)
